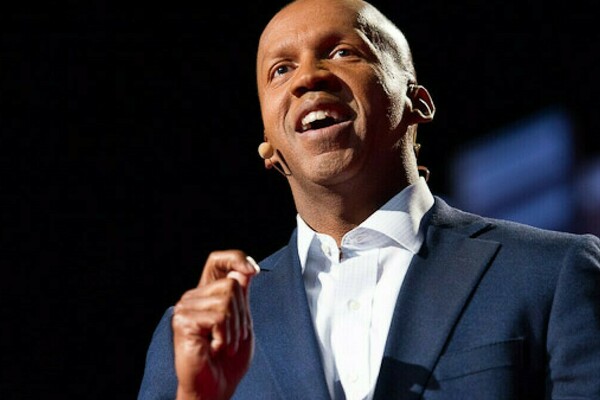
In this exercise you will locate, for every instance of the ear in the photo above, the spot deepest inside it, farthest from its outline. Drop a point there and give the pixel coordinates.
(420, 104)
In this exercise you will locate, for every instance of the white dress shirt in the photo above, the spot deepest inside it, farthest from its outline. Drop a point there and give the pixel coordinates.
(352, 291)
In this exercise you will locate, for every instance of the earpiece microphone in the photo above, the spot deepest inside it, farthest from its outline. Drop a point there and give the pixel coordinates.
(266, 151)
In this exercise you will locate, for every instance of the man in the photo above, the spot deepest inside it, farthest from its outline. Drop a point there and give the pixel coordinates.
(383, 291)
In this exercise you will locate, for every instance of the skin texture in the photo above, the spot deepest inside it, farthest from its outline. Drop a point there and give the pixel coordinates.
(357, 67)
(309, 61)
(212, 329)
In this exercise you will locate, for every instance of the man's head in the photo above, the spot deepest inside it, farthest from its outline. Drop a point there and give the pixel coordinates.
(334, 82)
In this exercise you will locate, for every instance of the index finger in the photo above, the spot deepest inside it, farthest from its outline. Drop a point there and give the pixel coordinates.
(235, 264)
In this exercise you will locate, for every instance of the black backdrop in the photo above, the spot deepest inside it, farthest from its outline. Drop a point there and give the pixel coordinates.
(128, 153)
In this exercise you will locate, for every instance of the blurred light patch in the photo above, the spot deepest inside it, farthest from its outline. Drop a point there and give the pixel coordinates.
(588, 185)
(588, 197)
(522, 172)
(551, 209)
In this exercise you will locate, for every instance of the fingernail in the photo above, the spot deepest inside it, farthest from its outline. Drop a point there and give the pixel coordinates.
(253, 264)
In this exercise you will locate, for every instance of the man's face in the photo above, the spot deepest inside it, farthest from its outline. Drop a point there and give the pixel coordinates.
(321, 89)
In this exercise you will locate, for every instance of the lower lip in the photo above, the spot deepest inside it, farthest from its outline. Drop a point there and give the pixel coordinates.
(326, 133)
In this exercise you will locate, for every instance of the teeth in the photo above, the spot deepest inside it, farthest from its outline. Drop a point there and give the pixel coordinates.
(315, 116)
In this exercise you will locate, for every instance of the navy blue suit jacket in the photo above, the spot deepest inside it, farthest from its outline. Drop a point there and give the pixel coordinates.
(488, 310)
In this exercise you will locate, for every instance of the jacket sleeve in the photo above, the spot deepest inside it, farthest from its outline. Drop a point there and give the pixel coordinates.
(573, 342)
(159, 381)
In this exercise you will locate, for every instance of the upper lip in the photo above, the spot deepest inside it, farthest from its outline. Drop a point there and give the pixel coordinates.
(312, 110)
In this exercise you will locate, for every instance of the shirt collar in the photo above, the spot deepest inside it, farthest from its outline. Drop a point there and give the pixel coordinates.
(399, 219)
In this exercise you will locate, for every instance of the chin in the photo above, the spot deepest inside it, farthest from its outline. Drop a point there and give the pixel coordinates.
(334, 170)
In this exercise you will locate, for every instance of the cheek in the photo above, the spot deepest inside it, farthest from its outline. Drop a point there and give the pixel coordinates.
(396, 111)
(390, 106)
(273, 113)
(385, 94)
(378, 107)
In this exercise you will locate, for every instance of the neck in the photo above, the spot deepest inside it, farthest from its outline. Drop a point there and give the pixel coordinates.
(336, 210)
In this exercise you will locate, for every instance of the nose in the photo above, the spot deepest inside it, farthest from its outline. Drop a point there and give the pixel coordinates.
(314, 75)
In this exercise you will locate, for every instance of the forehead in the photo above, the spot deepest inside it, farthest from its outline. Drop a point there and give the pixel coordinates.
(305, 20)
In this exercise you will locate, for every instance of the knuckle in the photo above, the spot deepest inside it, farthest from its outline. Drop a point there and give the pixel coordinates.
(230, 254)
(178, 321)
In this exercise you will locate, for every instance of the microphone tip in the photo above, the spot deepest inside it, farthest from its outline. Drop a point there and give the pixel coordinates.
(265, 150)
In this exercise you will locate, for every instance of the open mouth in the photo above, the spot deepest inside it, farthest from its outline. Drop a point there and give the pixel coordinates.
(320, 119)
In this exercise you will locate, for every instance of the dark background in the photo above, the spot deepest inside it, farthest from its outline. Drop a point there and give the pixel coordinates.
(128, 152)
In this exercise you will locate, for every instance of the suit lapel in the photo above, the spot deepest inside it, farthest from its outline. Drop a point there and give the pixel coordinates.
(284, 328)
(436, 288)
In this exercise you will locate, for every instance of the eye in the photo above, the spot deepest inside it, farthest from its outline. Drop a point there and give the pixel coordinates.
(342, 52)
(281, 70)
